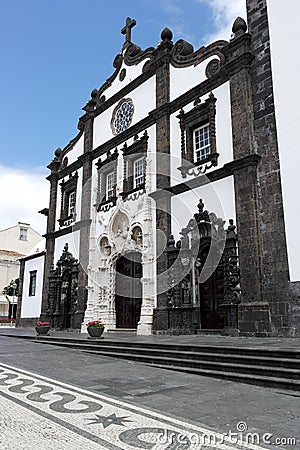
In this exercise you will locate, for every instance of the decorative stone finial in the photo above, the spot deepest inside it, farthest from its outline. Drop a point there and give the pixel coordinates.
(231, 230)
(94, 93)
(171, 241)
(58, 152)
(166, 34)
(239, 27)
(200, 206)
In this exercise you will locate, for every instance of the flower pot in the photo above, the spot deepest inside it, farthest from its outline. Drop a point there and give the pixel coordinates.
(95, 332)
(42, 329)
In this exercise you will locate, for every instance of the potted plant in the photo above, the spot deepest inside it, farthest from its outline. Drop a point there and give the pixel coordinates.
(42, 327)
(95, 328)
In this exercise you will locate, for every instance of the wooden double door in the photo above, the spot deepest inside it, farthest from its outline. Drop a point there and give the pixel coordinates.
(211, 297)
(128, 288)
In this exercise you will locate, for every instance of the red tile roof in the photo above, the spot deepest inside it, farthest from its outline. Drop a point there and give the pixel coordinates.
(11, 253)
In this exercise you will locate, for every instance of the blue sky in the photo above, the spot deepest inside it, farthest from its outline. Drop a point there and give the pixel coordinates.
(55, 52)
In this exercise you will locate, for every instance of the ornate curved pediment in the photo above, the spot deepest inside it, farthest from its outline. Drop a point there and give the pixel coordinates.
(134, 54)
(183, 54)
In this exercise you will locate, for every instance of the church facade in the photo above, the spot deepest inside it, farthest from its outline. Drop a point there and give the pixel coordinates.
(165, 211)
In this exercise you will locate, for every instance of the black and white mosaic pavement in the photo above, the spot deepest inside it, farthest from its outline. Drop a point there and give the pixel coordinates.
(38, 412)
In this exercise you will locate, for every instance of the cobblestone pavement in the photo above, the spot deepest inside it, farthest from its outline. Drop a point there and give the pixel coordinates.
(54, 398)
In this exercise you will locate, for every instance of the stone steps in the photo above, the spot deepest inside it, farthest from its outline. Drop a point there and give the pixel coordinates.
(268, 367)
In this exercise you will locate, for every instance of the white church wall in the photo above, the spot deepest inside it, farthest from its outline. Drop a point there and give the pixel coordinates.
(132, 72)
(72, 239)
(143, 98)
(223, 133)
(184, 79)
(76, 151)
(218, 197)
(31, 305)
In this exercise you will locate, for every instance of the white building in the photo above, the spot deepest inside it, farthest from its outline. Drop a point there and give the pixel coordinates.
(15, 243)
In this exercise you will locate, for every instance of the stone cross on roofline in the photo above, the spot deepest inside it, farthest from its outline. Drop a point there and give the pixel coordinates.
(130, 23)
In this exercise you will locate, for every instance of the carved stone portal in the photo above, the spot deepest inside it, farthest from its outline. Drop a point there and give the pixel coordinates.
(204, 277)
(63, 291)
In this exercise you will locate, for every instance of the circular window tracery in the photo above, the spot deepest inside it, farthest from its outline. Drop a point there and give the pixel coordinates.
(122, 116)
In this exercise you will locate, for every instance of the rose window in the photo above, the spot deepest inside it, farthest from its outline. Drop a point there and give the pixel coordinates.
(122, 116)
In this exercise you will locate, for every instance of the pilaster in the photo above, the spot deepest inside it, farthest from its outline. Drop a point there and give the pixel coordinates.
(50, 240)
(163, 203)
(86, 197)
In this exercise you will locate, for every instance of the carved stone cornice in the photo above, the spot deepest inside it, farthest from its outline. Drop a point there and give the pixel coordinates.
(226, 171)
(135, 55)
(183, 54)
(69, 229)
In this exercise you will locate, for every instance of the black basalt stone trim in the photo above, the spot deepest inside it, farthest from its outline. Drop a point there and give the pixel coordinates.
(35, 255)
(122, 93)
(227, 170)
(128, 193)
(77, 226)
(27, 322)
(107, 204)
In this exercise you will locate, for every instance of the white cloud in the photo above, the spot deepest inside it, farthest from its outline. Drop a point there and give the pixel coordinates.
(224, 14)
(24, 192)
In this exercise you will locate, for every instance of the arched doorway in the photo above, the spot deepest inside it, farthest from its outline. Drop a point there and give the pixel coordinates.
(128, 289)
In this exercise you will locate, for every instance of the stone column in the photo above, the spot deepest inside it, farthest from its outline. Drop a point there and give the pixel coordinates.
(50, 240)
(87, 165)
(254, 315)
(163, 202)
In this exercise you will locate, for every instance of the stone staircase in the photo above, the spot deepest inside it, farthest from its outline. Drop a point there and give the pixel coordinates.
(277, 368)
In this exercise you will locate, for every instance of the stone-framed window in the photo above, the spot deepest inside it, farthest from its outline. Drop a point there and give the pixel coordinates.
(198, 136)
(201, 143)
(23, 234)
(32, 283)
(107, 181)
(134, 159)
(68, 200)
(110, 185)
(139, 173)
(71, 203)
